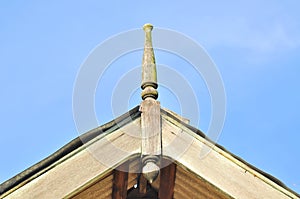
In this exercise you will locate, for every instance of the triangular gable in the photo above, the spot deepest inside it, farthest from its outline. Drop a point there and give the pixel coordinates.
(78, 171)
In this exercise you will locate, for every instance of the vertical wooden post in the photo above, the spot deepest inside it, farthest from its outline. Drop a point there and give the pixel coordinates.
(151, 127)
(120, 182)
(167, 180)
(150, 108)
(151, 138)
(142, 185)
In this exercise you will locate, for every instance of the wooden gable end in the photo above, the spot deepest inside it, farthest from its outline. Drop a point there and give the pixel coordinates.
(183, 173)
(174, 181)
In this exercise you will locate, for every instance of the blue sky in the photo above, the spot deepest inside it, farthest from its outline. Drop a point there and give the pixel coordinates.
(255, 45)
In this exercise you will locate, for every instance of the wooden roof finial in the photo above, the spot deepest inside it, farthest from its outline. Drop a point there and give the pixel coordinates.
(150, 112)
(149, 76)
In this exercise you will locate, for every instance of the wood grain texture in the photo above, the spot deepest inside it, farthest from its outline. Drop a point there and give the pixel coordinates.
(120, 182)
(102, 189)
(167, 180)
(151, 127)
(142, 185)
(188, 185)
(217, 167)
(71, 175)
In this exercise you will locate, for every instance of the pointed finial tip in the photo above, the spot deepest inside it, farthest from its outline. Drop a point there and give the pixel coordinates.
(150, 171)
(148, 26)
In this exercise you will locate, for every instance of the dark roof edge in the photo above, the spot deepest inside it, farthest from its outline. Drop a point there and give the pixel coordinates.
(200, 133)
(71, 146)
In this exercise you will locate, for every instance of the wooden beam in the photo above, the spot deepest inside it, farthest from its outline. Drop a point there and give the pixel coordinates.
(142, 184)
(167, 180)
(151, 127)
(151, 138)
(120, 182)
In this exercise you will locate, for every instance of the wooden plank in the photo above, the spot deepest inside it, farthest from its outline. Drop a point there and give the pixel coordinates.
(120, 182)
(79, 169)
(151, 127)
(189, 185)
(167, 180)
(218, 167)
(142, 184)
(102, 189)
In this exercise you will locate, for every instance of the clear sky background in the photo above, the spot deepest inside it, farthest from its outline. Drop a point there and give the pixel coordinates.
(255, 45)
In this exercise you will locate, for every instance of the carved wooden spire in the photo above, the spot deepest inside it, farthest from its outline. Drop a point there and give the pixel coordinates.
(150, 108)
(149, 76)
